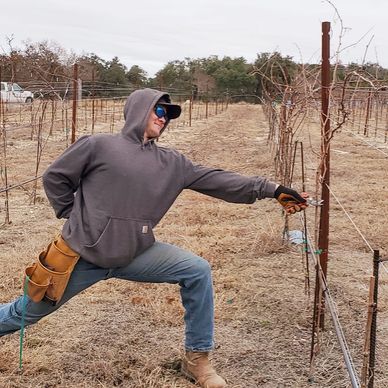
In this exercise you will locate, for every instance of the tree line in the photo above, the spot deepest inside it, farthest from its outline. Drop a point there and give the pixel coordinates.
(47, 68)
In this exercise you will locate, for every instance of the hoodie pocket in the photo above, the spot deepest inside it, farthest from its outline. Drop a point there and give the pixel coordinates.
(121, 240)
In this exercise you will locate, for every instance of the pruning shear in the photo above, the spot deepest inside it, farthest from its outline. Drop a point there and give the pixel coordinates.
(314, 202)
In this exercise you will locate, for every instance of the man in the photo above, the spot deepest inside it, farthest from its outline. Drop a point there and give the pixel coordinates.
(113, 190)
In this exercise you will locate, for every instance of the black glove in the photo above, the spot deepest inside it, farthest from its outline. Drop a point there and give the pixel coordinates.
(290, 199)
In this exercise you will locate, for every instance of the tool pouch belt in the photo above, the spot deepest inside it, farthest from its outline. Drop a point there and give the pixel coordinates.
(49, 275)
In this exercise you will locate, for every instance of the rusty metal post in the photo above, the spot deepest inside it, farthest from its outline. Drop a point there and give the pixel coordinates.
(323, 239)
(360, 111)
(364, 370)
(386, 124)
(93, 102)
(1, 101)
(377, 116)
(207, 102)
(84, 104)
(367, 114)
(190, 109)
(372, 350)
(75, 95)
(67, 125)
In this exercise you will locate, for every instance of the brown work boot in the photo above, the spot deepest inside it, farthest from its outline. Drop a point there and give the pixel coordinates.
(196, 366)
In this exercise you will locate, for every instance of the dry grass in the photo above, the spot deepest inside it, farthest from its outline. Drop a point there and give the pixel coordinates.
(128, 334)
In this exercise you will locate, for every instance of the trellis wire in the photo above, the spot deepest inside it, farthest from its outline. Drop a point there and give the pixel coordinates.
(334, 314)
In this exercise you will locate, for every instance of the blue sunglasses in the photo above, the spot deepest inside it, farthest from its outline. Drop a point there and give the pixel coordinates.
(160, 111)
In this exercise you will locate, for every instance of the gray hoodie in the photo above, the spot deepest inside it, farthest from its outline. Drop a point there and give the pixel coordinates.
(114, 189)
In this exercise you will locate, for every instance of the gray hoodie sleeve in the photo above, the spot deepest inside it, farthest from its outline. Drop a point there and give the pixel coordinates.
(62, 178)
(226, 185)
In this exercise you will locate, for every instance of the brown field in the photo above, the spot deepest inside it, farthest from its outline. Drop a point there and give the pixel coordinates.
(130, 335)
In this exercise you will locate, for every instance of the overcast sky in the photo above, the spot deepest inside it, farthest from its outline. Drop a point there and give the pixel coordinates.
(150, 33)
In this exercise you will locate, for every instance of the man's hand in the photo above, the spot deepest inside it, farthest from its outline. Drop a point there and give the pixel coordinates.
(291, 201)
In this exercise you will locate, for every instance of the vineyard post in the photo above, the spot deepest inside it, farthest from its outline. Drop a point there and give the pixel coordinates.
(372, 350)
(360, 111)
(93, 107)
(1, 101)
(207, 102)
(365, 363)
(85, 103)
(4, 133)
(53, 116)
(75, 95)
(386, 123)
(377, 114)
(190, 109)
(367, 114)
(323, 239)
(112, 125)
(31, 107)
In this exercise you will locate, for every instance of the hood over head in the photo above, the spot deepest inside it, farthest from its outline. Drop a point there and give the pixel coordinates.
(138, 107)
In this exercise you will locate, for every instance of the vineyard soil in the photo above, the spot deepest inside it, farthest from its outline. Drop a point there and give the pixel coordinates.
(130, 335)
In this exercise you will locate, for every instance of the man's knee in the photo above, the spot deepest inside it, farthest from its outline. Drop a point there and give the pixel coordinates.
(33, 312)
(201, 267)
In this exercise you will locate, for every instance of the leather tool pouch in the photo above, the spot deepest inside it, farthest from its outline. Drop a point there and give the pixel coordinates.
(49, 275)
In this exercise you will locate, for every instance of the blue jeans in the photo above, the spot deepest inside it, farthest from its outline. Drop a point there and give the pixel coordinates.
(162, 263)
